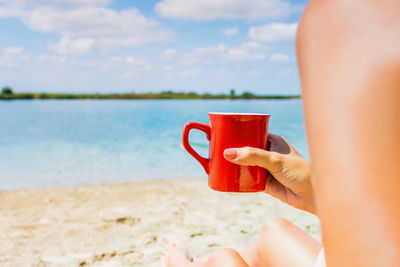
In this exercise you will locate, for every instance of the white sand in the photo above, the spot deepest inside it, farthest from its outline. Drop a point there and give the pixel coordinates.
(129, 224)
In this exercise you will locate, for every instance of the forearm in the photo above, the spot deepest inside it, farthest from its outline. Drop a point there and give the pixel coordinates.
(349, 61)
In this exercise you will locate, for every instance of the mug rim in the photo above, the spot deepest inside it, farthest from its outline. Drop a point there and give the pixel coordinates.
(238, 114)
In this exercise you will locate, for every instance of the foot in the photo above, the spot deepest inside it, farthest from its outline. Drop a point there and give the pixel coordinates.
(195, 258)
(175, 255)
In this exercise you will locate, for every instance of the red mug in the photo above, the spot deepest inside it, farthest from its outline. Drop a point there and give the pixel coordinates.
(227, 130)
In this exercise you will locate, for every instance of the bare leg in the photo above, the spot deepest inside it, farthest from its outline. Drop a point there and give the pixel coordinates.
(176, 256)
(280, 244)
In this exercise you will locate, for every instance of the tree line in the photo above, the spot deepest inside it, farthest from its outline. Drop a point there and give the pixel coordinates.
(8, 94)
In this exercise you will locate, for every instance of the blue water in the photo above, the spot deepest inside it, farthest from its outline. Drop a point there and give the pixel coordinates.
(52, 143)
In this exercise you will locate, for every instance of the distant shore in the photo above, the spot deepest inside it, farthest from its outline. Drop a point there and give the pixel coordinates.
(129, 224)
(144, 96)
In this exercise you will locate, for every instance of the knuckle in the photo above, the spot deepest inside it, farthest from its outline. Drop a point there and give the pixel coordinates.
(277, 160)
(252, 155)
(246, 152)
(253, 151)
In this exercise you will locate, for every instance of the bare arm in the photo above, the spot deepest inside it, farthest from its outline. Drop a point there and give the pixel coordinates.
(349, 60)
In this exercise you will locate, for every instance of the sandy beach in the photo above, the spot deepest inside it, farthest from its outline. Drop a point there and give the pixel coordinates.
(129, 224)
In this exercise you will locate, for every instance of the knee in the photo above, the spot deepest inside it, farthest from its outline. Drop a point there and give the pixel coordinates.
(273, 231)
(276, 225)
(225, 257)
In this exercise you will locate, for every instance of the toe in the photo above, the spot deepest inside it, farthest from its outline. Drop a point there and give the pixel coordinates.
(195, 257)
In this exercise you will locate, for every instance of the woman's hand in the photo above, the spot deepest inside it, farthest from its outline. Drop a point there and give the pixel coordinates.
(289, 177)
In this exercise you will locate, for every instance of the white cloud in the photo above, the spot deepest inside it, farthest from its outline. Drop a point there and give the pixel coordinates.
(148, 67)
(190, 73)
(133, 61)
(138, 63)
(12, 50)
(189, 58)
(169, 53)
(225, 9)
(79, 20)
(244, 55)
(133, 73)
(167, 68)
(248, 51)
(274, 32)
(222, 72)
(67, 46)
(285, 72)
(230, 31)
(119, 73)
(197, 55)
(115, 59)
(111, 28)
(279, 58)
(54, 3)
(11, 12)
(13, 57)
(210, 49)
(251, 45)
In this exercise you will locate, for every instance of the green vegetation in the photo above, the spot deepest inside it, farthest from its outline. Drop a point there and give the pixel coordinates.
(6, 91)
(7, 94)
(232, 94)
(247, 95)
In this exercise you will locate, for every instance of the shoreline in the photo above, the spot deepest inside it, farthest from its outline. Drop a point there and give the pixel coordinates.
(167, 95)
(130, 223)
(138, 98)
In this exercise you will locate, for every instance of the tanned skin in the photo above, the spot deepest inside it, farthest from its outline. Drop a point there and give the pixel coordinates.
(349, 60)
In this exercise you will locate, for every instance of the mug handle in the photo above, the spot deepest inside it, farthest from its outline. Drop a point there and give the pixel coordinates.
(185, 140)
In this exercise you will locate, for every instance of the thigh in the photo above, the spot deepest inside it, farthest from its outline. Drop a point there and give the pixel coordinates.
(283, 244)
(226, 257)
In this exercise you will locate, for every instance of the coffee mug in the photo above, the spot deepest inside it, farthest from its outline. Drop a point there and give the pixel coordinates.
(228, 130)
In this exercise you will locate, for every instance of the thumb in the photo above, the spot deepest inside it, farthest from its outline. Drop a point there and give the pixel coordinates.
(250, 156)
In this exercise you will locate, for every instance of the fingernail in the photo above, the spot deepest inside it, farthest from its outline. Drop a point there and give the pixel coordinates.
(230, 153)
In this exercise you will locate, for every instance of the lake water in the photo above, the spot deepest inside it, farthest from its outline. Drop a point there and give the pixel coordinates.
(52, 143)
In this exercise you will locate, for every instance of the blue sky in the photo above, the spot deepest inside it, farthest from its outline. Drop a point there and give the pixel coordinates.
(149, 45)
